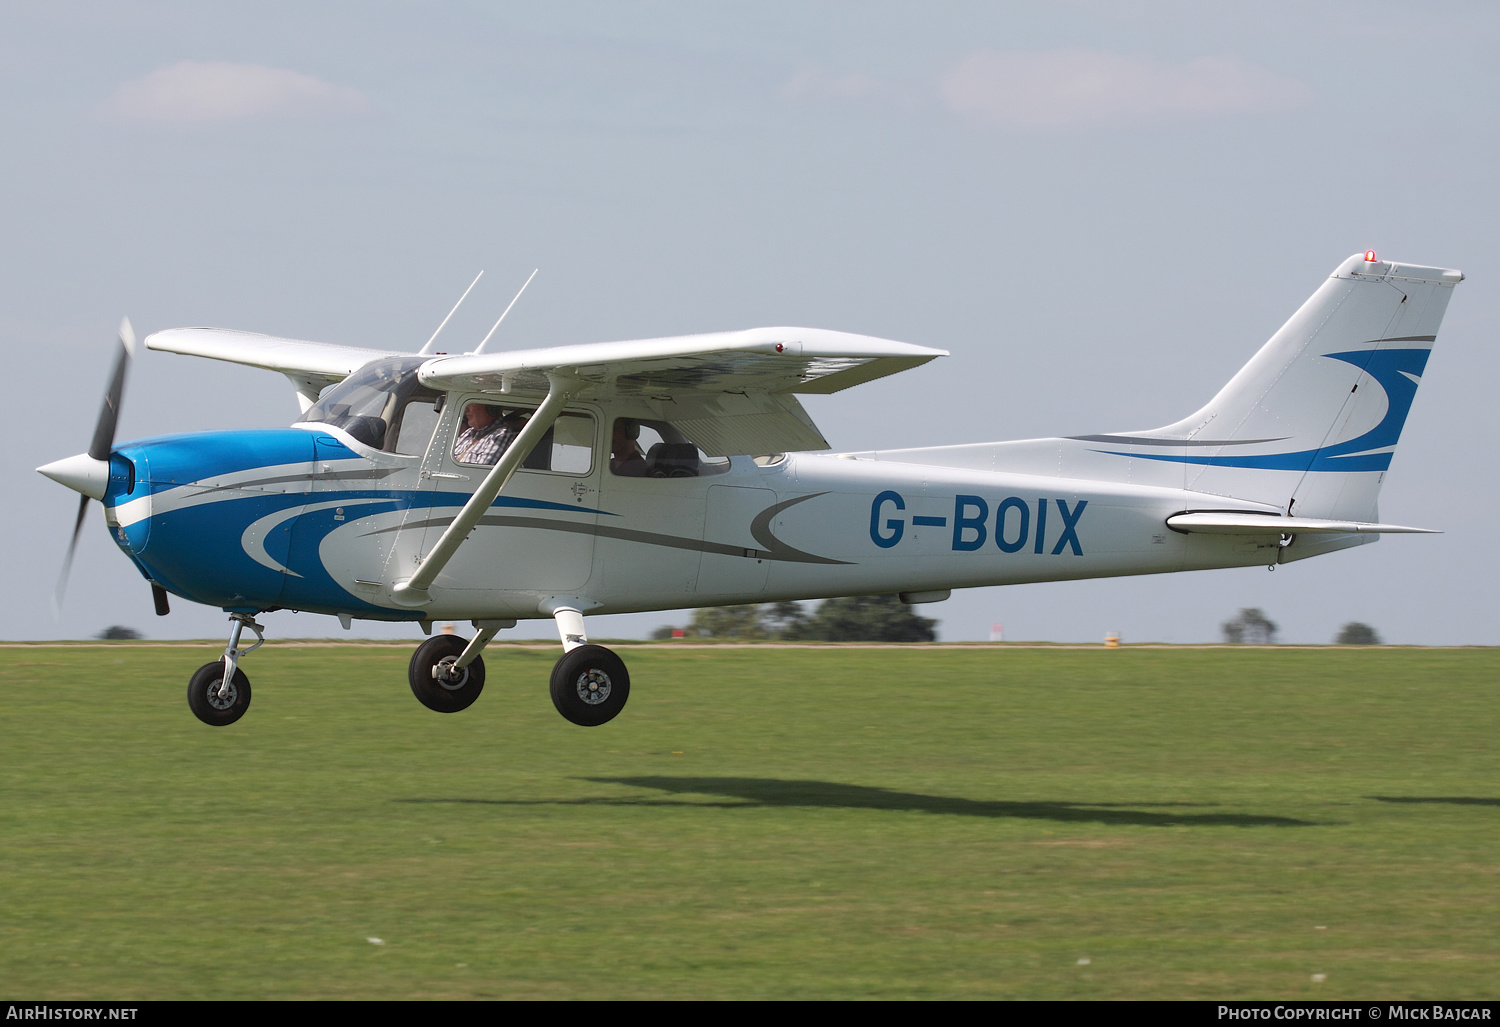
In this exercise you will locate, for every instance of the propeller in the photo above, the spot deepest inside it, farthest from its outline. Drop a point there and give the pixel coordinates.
(89, 474)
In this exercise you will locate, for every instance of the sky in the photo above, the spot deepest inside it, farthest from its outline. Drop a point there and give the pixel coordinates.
(1101, 209)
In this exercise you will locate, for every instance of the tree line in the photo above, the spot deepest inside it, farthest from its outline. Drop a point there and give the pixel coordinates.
(1252, 627)
(849, 619)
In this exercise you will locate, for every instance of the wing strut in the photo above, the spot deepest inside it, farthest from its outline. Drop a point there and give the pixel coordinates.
(413, 591)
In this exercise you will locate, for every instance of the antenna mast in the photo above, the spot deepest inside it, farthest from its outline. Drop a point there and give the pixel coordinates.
(507, 311)
(428, 348)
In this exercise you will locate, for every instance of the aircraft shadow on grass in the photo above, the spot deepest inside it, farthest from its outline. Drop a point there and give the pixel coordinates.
(1452, 800)
(759, 792)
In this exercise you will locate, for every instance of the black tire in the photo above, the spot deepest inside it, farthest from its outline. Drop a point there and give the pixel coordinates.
(437, 693)
(590, 685)
(203, 695)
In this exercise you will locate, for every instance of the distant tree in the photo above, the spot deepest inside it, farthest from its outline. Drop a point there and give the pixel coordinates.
(867, 619)
(784, 620)
(741, 623)
(851, 619)
(1355, 633)
(118, 632)
(1250, 627)
(663, 632)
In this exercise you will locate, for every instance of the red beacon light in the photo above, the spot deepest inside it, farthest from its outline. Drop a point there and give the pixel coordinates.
(1369, 256)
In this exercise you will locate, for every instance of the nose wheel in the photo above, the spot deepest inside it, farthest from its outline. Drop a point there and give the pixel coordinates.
(219, 692)
(213, 703)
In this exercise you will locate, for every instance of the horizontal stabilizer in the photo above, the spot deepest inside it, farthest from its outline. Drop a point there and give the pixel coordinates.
(1231, 523)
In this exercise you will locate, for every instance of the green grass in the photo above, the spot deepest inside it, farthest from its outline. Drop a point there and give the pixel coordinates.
(758, 823)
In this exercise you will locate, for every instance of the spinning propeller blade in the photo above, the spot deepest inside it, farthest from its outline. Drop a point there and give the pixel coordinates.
(109, 414)
(67, 567)
(99, 449)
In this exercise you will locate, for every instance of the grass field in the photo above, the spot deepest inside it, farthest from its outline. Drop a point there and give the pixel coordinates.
(986, 822)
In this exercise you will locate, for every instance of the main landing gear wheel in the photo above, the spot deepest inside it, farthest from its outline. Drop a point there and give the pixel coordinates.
(590, 685)
(206, 702)
(434, 680)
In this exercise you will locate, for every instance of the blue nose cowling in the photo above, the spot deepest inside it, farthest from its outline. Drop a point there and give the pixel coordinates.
(178, 505)
(231, 519)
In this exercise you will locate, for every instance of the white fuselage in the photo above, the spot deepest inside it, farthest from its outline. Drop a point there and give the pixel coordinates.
(804, 526)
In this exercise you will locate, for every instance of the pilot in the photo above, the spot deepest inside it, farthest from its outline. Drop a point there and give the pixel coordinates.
(487, 435)
(625, 456)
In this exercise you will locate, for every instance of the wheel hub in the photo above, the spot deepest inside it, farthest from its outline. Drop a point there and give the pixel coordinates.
(222, 699)
(448, 676)
(593, 686)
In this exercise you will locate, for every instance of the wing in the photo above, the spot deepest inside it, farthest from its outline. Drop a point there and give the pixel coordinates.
(760, 359)
(730, 392)
(289, 356)
(310, 365)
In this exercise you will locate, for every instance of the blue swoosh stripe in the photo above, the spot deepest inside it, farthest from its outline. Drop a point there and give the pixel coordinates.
(1389, 368)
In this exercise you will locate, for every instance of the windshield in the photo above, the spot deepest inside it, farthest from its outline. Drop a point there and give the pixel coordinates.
(368, 402)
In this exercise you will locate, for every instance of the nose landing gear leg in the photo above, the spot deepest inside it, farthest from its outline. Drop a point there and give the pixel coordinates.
(219, 692)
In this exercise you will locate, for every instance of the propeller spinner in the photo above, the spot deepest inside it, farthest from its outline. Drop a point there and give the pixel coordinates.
(88, 473)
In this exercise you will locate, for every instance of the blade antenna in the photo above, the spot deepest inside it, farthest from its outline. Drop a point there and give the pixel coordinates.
(507, 311)
(428, 348)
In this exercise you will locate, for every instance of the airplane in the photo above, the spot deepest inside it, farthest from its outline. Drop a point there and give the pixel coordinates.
(681, 472)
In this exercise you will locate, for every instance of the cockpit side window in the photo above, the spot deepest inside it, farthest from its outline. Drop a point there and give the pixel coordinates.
(412, 427)
(486, 430)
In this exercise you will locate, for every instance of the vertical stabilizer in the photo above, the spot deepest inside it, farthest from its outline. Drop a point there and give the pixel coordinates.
(1311, 422)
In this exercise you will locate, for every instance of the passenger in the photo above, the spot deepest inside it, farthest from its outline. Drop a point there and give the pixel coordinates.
(625, 457)
(487, 435)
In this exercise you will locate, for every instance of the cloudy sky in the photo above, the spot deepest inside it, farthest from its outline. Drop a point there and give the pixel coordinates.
(1101, 208)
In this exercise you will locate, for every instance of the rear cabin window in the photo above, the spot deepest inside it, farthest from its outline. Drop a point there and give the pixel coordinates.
(655, 449)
